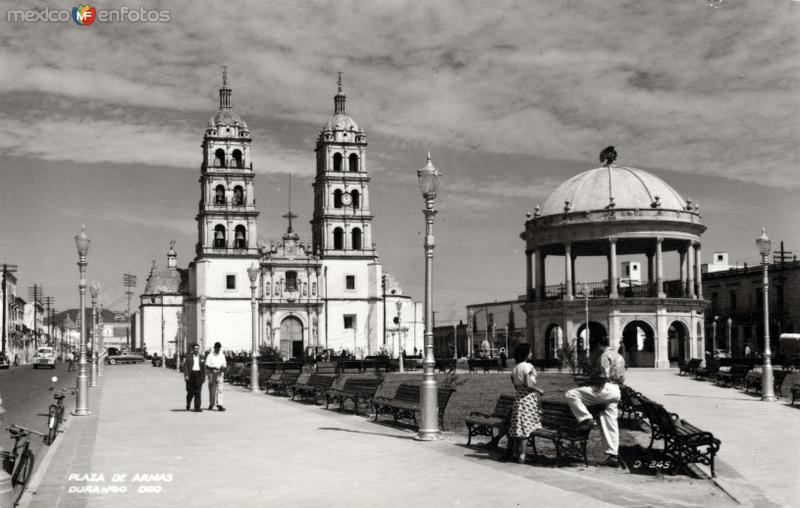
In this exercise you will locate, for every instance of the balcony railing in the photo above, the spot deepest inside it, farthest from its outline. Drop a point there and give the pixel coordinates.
(672, 289)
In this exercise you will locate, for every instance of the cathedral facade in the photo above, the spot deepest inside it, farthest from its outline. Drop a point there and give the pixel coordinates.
(329, 294)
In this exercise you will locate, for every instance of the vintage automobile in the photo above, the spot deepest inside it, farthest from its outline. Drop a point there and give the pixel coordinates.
(124, 357)
(4, 362)
(45, 357)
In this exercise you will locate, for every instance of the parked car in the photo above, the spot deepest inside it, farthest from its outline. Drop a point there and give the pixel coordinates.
(45, 357)
(4, 362)
(124, 357)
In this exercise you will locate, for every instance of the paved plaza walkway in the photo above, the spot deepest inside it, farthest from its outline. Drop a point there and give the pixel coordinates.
(140, 448)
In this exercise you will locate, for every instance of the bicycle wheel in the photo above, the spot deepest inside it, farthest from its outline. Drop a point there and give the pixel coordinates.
(22, 474)
(53, 422)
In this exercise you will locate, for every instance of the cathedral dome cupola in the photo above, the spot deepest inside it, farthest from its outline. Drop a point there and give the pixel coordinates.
(341, 125)
(225, 122)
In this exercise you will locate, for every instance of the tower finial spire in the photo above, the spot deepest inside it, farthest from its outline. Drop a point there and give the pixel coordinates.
(338, 100)
(224, 92)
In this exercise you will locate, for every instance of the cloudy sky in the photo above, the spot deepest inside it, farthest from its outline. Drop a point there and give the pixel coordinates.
(101, 124)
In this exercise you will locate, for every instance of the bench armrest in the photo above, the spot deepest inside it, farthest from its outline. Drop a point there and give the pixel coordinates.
(478, 413)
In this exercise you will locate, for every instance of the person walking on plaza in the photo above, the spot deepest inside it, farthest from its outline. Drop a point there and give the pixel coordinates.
(215, 366)
(194, 373)
(607, 372)
(70, 362)
(525, 415)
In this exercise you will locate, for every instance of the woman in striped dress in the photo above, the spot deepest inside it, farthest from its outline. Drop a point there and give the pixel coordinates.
(525, 415)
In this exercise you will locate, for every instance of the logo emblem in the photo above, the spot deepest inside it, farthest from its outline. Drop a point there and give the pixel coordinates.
(83, 14)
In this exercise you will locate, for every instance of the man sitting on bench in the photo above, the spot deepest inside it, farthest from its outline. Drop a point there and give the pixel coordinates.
(607, 373)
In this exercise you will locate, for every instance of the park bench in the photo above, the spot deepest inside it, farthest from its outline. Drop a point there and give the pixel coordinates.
(234, 374)
(561, 428)
(446, 364)
(313, 387)
(483, 363)
(710, 370)
(630, 404)
(482, 424)
(795, 393)
(753, 380)
(733, 376)
(683, 441)
(357, 390)
(690, 367)
(263, 376)
(280, 382)
(406, 404)
(547, 363)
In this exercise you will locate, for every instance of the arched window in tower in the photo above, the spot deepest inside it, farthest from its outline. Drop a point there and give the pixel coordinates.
(219, 195)
(240, 238)
(337, 162)
(337, 198)
(338, 239)
(291, 281)
(353, 162)
(238, 195)
(237, 159)
(219, 158)
(356, 198)
(219, 236)
(356, 239)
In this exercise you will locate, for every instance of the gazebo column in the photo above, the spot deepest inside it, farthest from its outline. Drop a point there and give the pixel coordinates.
(650, 277)
(690, 270)
(682, 270)
(698, 264)
(529, 276)
(612, 268)
(539, 274)
(574, 277)
(659, 269)
(568, 271)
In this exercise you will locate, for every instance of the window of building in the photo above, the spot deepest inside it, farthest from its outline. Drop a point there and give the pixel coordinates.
(337, 198)
(353, 162)
(238, 195)
(219, 158)
(734, 303)
(350, 282)
(356, 198)
(356, 239)
(291, 281)
(230, 282)
(715, 303)
(219, 195)
(337, 162)
(240, 238)
(338, 239)
(349, 321)
(237, 159)
(219, 237)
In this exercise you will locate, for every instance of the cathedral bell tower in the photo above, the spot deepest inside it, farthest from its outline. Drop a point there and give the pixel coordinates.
(342, 222)
(226, 222)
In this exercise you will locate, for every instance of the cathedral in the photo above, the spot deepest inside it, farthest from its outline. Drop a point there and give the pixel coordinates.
(329, 294)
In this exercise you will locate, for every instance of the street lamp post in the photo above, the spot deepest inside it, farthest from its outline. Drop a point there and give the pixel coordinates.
(94, 290)
(252, 273)
(400, 345)
(714, 335)
(428, 177)
(82, 242)
(585, 289)
(730, 342)
(767, 390)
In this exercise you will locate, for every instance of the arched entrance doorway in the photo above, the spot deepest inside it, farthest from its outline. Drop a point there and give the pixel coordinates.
(553, 338)
(596, 332)
(291, 338)
(678, 342)
(640, 345)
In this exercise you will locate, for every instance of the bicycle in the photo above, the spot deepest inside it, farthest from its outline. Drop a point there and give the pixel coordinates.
(19, 461)
(56, 416)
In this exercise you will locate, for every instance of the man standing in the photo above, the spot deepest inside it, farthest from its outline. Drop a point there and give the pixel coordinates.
(194, 373)
(607, 373)
(215, 366)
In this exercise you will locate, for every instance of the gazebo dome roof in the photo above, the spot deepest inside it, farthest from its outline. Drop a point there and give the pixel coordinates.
(612, 187)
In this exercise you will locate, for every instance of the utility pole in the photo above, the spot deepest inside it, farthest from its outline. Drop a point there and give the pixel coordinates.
(129, 282)
(35, 294)
(6, 270)
(781, 257)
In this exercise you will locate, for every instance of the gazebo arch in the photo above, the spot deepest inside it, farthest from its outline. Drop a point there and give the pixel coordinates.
(638, 336)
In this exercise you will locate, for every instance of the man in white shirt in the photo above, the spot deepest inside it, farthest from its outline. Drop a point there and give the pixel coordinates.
(215, 368)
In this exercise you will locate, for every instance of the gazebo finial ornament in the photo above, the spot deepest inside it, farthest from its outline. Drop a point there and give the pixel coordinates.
(608, 156)
(537, 211)
(566, 206)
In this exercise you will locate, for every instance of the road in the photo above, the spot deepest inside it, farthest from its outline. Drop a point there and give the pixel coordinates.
(26, 398)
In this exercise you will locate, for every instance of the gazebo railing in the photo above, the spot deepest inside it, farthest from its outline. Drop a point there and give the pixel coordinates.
(672, 289)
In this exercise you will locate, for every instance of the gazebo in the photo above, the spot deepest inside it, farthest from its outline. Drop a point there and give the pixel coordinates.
(609, 213)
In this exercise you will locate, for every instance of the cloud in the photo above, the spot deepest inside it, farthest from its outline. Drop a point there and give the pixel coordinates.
(680, 86)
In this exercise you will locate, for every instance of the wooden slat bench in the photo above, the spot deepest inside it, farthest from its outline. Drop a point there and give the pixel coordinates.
(263, 376)
(445, 364)
(547, 363)
(683, 441)
(690, 367)
(234, 374)
(753, 380)
(482, 424)
(358, 390)
(733, 376)
(280, 382)
(710, 370)
(483, 363)
(561, 428)
(406, 404)
(313, 387)
(630, 404)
